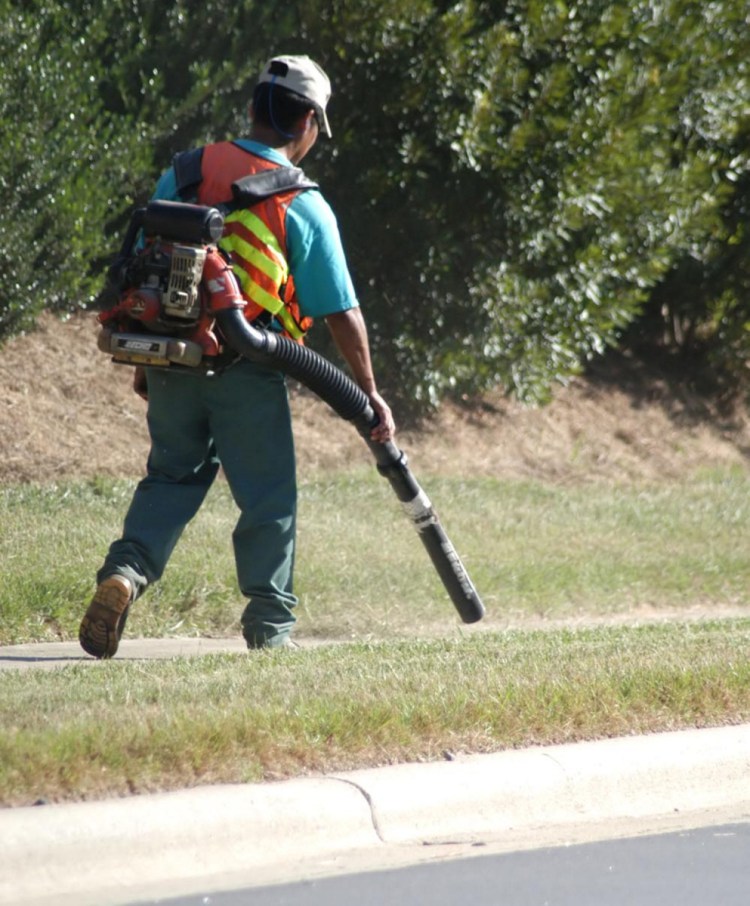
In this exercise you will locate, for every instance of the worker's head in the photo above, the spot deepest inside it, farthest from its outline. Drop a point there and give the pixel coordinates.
(287, 90)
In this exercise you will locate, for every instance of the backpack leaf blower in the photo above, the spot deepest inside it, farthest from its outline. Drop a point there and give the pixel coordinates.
(176, 304)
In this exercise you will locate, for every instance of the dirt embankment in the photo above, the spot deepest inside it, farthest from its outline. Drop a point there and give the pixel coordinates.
(68, 413)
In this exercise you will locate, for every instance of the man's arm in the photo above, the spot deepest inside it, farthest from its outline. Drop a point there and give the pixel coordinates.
(349, 333)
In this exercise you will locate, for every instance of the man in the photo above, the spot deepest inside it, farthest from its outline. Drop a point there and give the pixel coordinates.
(287, 255)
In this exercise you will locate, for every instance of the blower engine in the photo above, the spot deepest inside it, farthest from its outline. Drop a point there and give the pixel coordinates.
(168, 282)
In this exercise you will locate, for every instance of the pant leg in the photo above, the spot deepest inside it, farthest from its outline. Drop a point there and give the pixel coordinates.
(181, 468)
(252, 428)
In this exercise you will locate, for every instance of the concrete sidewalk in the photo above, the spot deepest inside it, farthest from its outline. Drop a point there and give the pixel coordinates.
(39, 655)
(126, 850)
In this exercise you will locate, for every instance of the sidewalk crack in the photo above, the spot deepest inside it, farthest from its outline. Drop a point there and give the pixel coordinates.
(370, 803)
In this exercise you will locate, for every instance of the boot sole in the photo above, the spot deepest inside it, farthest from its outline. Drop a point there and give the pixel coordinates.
(104, 621)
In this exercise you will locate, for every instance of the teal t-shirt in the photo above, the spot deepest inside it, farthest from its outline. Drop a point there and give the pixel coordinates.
(316, 254)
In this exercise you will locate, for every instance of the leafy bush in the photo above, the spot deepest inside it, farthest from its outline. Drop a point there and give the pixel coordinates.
(66, 163)
(519, 185)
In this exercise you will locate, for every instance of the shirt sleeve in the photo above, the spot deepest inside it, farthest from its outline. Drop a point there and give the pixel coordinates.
(316, 257)
(166, 188)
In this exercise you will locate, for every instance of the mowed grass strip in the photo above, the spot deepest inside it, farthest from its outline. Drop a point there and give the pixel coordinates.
(532, 549)
(116, 728)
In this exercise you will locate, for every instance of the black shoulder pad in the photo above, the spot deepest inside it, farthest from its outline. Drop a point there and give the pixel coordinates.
(188, 172)
(259, 186)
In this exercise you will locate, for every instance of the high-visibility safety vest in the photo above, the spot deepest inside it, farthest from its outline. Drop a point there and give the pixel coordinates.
(254, 224)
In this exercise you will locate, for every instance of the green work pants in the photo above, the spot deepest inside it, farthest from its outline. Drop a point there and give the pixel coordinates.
(240, 420)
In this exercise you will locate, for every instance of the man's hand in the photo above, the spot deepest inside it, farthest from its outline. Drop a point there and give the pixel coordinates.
(140, 385)
(386, 426)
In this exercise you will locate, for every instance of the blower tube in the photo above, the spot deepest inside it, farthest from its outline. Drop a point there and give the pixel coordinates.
(350, 402)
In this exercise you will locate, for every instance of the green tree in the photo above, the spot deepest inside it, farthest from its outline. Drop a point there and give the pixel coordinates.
(539, 169)
(519, 183)
(703, 303)
(64, 166)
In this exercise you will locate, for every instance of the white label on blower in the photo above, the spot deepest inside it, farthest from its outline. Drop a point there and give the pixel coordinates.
(419, 510)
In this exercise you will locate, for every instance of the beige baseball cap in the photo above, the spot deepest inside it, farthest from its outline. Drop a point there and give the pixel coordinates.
(303, 76)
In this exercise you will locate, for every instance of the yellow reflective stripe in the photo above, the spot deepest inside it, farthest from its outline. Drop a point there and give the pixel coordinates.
(256, 293)
(272, 253)
(270, 261)
(267, 301)
(254, 256)
(290, 325)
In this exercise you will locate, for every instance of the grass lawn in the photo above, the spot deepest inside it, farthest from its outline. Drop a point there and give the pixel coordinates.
(114, 728)
(411, 683)
(533, 550)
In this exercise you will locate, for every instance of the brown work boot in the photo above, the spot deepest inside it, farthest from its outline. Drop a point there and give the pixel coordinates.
(102, 626)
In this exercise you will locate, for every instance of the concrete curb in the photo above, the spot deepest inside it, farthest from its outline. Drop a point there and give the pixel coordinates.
(631, 777)
(76, 849)
(101, 852)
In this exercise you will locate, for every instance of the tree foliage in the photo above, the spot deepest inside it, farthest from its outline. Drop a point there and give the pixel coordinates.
(520, 183)
(65, 164)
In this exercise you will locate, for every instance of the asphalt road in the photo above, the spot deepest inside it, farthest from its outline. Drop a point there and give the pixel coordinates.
(703, 867)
